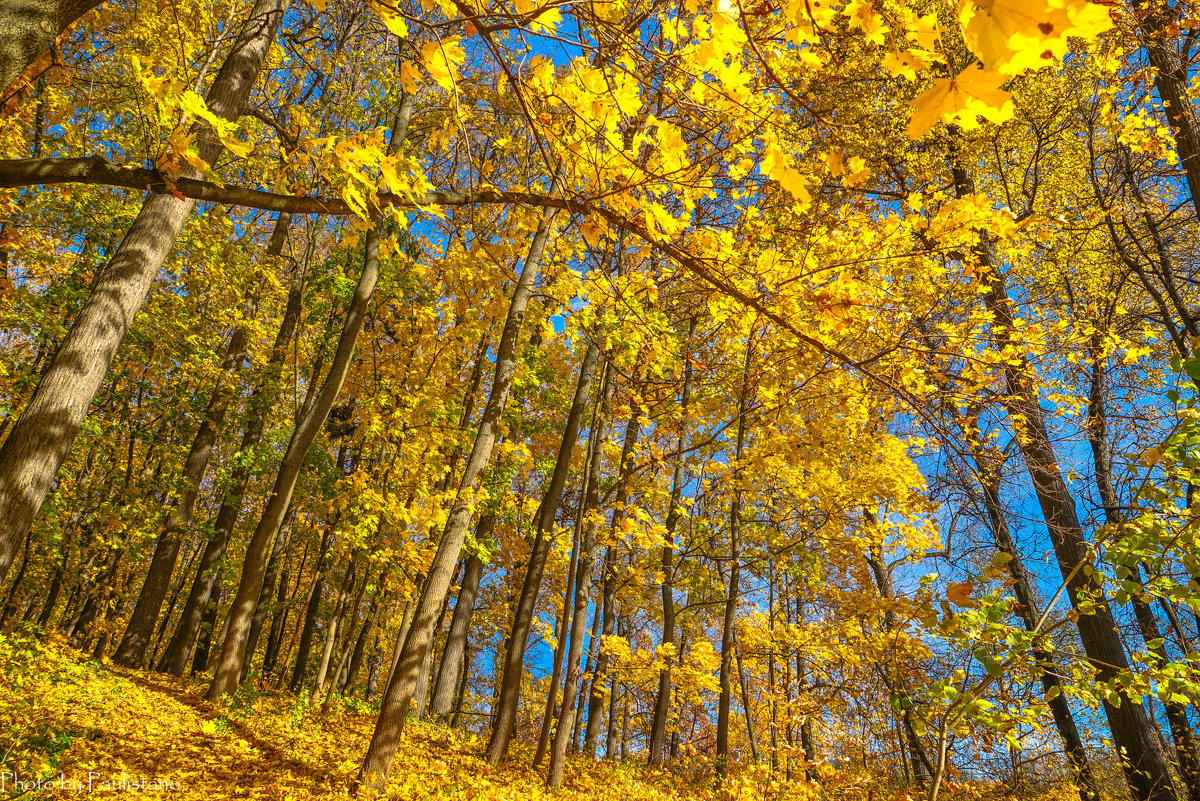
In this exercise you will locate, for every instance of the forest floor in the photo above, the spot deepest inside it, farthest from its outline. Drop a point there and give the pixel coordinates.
(71, 727)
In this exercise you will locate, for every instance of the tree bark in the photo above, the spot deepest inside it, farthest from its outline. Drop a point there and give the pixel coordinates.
(460, 626)
(233, 649)
(399, 693)
(38, 444)
(29, 30)
(514, 655)
(1144, 763)
(583, 581)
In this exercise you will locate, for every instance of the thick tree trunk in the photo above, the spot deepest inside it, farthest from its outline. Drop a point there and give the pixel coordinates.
(399, 693)
(38, 444)
(460, 627)
(233, 649)
(514, 655)
(28, 33)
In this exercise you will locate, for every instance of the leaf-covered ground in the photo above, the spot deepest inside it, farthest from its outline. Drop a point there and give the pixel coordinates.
(76, 728)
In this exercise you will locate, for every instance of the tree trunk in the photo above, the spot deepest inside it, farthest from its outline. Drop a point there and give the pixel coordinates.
(268, 588)
(1159, 23)
(731, 597)
(311, 610)
(233, 649)
(262, 400)
(514, 655)
(38, 444)
(208, 626)
(583, 581)
(1182, 736)
(460, 627)
(399, 693)
(662, 701)
(28, 33)
(1144, 763)
(132, 650)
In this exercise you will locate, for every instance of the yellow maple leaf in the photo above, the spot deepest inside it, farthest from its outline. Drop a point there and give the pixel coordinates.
(1013, 36)
(970, 94)
(904, 64)
(442, 59)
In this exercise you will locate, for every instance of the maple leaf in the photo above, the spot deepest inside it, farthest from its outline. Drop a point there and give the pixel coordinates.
(1014, 36)
(970, 94)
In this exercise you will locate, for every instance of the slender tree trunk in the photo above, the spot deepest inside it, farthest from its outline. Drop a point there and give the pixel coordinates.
(262, 400)
(561, 637)
(1144, 762)
(1182, 735)
(312, 608)
(233, 649)
(132, 650)
(208, 626)
(921, 766)
(583, 581)
(735, 555)
(268, 588)
(10, 604)
(1159, 22)
(334, 629)
(514, 655)
(662, 701)
(399, 693)
(38, 444)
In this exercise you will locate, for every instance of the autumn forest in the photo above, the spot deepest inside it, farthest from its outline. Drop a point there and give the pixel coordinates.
(600, 399)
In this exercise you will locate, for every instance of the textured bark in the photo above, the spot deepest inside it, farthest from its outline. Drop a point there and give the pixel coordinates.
(399, 693)
(514, 655)
(1144, 763)
(28, 33)
(38, 444)
(460, 627)
(583, 583)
